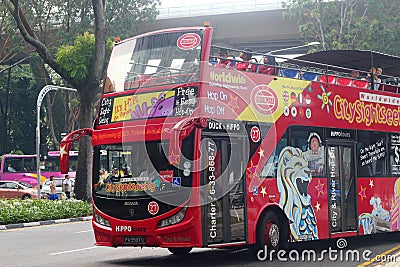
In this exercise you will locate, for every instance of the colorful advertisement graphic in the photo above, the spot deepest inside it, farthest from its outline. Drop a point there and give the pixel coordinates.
(378, 200)
(230, 94)
(181, 101)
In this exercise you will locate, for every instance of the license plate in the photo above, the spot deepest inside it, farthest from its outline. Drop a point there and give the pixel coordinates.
(138, 240)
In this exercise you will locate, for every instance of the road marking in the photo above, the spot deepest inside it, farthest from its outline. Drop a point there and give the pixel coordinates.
(84, 231)
(70, 251)
(380, 256)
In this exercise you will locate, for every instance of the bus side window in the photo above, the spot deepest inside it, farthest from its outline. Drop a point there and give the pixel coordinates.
(310, 140)
(371, 154)
(394, 154)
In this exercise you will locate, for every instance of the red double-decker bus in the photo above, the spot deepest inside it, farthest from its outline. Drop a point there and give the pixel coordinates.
(189, 154)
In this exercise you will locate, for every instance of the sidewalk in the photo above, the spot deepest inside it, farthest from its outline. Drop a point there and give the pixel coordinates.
(30, 224)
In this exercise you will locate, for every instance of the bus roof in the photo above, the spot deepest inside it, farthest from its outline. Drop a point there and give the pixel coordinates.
(178, 29)
(50, 153)
(354, 59)
(18, 156)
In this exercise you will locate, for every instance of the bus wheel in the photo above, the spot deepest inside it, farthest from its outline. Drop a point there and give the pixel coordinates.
(271, 233)
(180, 251)
(26, 196)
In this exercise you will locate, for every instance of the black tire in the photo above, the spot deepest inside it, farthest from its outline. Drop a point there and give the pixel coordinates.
(180, 251)
(270, 233)
(26, 196)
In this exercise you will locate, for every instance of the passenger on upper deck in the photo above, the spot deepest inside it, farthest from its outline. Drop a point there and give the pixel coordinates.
(379, 74)
(245, 65)
(372, 72)
(269, 65)
(354, 74)
(223, 62)
(372, 77)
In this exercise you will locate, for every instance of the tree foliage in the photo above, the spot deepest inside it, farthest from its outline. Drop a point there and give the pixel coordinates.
(77, 59)
(139, 12)
(48, 24)
(348, 24)
(17, 110)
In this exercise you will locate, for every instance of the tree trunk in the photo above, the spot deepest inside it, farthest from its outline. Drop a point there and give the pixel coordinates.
(83, 178)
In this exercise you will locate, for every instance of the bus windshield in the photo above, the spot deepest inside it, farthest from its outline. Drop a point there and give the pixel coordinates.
(135, 169)
(165, 58)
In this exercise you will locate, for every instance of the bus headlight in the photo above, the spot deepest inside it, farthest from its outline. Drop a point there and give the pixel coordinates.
(101, 220)
(174, 219)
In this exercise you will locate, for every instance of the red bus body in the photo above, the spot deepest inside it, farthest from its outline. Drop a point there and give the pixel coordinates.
(239, 153)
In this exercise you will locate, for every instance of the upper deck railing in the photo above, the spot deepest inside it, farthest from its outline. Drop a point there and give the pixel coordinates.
(225, 7)
(313, 71)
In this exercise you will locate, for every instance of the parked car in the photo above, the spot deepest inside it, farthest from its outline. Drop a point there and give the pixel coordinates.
(58, 181)
(17, 189)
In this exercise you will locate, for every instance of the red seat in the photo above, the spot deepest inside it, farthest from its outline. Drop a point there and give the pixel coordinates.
(361, 84)
(328, 79)
(390, 88)
(344, 81)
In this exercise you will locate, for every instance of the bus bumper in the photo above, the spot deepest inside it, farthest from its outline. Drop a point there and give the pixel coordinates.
(146, 233)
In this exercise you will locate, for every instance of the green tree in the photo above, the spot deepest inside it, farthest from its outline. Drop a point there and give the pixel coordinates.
(66, 19)
(348, 24)
(13, 52)
(17, 106)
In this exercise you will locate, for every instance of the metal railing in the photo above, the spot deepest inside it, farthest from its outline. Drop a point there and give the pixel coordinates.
(225, 7)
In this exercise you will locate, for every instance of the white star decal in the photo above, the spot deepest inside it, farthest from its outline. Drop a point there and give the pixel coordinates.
(62, 150)
(263, 192)
(261, 152)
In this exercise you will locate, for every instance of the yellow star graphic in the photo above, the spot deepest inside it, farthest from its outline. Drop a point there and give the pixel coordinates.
(252, 170)
(174, 159)
(261, 152)
(362, 193)
(371, 183)
(317, 206)
(263, 191)
(233, 102)
(320, 188)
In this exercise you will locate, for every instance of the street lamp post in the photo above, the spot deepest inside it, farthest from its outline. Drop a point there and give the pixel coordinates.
(40, 98)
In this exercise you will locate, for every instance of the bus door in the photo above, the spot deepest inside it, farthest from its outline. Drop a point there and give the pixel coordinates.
(223, 209)
(342, 187)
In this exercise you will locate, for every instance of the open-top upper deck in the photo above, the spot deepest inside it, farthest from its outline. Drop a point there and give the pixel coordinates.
(173, 74)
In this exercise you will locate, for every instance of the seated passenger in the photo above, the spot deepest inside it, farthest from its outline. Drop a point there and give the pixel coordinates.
(269, 65)
(354, 74)
(379, 75)
(10, 168)
(245, 64)
(223, 61)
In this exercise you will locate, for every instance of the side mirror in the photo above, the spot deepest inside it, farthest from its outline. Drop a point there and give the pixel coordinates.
(66, 145)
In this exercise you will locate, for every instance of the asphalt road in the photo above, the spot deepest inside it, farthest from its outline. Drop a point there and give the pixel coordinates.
(72, 244)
